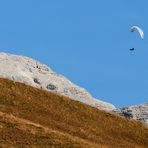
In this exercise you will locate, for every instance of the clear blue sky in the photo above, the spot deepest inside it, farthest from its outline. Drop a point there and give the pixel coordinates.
(87, 41)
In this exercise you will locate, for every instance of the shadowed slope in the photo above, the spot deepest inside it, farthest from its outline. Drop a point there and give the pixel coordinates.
(35, 113)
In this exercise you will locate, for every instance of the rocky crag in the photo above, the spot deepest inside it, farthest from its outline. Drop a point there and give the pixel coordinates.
(32, 72)
(137, 112)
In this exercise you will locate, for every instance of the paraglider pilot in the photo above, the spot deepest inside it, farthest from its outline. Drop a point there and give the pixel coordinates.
(140, 31)
(132, 49)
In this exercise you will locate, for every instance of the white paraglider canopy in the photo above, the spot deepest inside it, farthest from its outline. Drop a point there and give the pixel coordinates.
(140, 31)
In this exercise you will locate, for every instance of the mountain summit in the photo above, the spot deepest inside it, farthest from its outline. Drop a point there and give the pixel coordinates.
(32, 72)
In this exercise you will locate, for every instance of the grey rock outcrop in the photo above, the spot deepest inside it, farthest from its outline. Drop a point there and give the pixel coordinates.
(32, 72)
(137, 112)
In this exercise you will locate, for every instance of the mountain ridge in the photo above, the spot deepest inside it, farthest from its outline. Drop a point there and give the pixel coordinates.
(32, 72)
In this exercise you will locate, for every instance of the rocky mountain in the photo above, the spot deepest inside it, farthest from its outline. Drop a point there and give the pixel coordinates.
(26, 70)
(32, 72)
(137, 112)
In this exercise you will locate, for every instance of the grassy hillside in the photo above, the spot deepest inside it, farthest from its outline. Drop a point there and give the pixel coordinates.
(33, 117)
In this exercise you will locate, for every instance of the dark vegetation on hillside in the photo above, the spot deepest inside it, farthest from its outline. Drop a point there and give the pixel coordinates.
(33, 117)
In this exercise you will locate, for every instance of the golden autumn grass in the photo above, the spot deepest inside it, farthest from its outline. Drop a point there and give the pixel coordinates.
(30, 117)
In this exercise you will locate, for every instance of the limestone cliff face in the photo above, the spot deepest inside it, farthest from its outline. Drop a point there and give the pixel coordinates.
(32, 72)
(137, 112)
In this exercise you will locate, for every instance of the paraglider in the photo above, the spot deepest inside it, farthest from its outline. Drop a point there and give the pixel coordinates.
(139, 30)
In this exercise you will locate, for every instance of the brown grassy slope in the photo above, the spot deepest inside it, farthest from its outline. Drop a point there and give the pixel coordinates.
(18, 132)
(81, 125)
